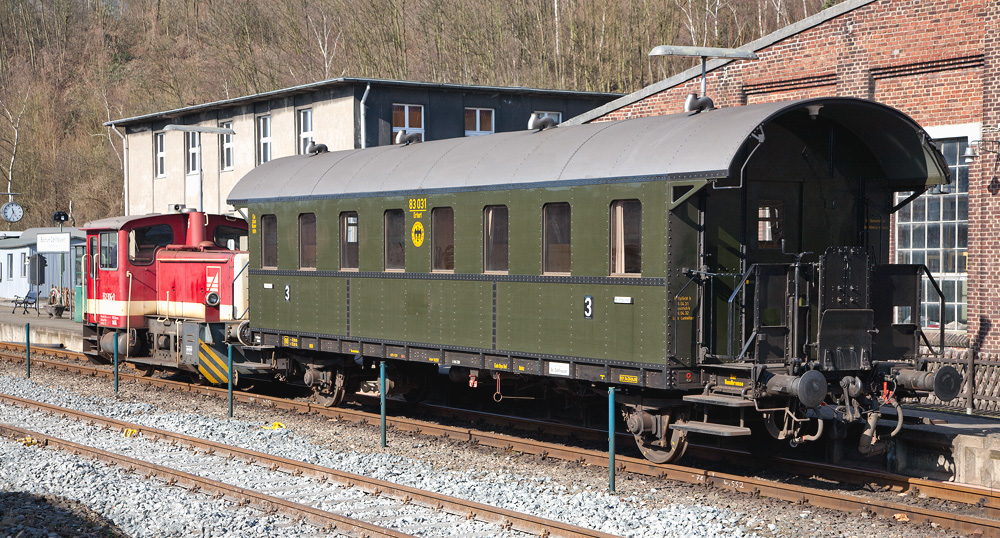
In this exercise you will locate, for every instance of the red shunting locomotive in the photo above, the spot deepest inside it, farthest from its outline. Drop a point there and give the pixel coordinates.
(171, 289)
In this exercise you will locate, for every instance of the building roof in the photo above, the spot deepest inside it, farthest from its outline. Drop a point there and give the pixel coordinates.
(678, 146)
(324, 84)
(711, 65)
(30, 236)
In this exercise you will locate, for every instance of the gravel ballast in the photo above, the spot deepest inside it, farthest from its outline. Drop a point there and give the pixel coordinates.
(557, 490)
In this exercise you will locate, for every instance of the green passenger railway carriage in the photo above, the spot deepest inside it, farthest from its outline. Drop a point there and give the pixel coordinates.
(728, 270)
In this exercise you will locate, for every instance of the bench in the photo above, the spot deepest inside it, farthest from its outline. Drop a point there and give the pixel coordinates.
(31, 299)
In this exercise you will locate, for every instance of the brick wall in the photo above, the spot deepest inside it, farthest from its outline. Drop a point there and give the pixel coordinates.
(936, 60)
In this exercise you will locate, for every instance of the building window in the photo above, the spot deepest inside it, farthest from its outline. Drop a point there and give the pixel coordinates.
(408, 118)
(269, 241)
(478, 121)
(349, 240)
(143, 242)
(395, 240)
(557, 116)
(770, 219)
(108, 255)
(933, 230)
(443, 239)
(10, 266)
(307, 241)
(495, 243)
(626, 237)
(304, 128)
(192, 146)
(226, 148)
(263, 139)
(556, 238)
(159, 155)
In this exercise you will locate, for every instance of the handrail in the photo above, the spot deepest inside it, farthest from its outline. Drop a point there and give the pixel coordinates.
(729, 313)
(941, 311)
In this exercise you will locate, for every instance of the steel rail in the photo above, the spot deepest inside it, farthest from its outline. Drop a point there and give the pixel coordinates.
(984, 500)
(194, 483)
(469, 509)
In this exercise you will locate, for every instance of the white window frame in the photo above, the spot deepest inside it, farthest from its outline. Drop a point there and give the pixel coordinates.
(226, 148)
(24, 264)
(479, 131)
(406, 120)
(304, 119)
(159, 154)
(192, 152)
(264, 139)
(549, 114)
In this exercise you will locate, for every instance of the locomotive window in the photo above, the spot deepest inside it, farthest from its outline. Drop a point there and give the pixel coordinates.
(269, 241)
(143, 242)
(109, 250)
(395, 240)
(443, 238)
(556, 238)
(626, 237)
(349, 240)
(307, 241)
(770, 217)
(495, 245)
(228, 237)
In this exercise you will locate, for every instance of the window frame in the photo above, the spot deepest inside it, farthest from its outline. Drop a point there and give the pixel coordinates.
(227, 152)
(770, 228)
(133, 247)
(479, 131)
(618, 229)
(549, 234)
(401, 242)
(345, 235)
(268, 249)
(406, 117)
(159, 154)
(307, 250)
(264, 138)
(490, 244)
(192, 152)
(103, 261)
(446, 232)
(303, 137)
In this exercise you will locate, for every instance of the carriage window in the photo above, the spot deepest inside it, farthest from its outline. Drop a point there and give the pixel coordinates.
(443, 238)
(349, 240)
(307, 241)
(556, 238)
(109, 250)
(770, 217)
(395, 240)
(495, 240)
(626, 237)
(229, 237)
(143, 242)
(269, 241)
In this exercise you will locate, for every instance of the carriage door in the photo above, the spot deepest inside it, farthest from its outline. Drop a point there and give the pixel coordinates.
(774, 237)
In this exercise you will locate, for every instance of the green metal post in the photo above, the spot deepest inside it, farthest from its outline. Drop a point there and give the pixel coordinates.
(381, 390)
(611, 439)
(116, 364)
(27, 348)
(230, 358)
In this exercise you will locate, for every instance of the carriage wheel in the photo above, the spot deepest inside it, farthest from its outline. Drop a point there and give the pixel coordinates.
(334, 395)
(144, 370)
(666, 450)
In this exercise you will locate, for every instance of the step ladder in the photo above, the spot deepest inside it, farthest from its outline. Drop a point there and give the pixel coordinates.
(712, 428)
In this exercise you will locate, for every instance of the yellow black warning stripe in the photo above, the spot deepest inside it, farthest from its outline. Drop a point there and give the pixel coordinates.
(214, 367)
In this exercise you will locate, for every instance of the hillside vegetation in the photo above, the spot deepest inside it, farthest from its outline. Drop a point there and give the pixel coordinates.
(66, 66)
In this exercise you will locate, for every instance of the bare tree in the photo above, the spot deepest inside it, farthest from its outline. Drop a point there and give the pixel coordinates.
(322, 34)
(12, 141)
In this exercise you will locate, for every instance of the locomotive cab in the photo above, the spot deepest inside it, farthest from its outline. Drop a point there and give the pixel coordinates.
(166, 291)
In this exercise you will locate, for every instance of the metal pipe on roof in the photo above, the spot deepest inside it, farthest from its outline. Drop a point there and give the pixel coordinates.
(364, 127)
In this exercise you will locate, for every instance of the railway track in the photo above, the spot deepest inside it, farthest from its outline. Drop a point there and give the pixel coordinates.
(297, 489)
(981, 511)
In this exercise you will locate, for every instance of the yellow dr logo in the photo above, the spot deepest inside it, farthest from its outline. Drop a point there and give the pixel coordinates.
(417, 234)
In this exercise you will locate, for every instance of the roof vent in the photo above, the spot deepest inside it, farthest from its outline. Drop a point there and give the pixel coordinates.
(314, 149)
(693, 103)
(541, 122)
(175, 208)
(405, 138)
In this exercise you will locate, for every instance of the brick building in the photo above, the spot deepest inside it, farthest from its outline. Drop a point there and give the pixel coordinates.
(936, 60)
